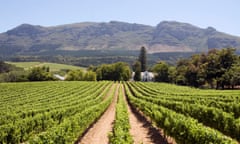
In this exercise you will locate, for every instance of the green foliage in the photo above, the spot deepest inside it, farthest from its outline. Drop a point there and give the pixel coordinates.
(59, 112)
(195, 72)
(137, 70)
(180, 72)
(11, 73)
(5, 67)
(50, 112)
(14, 76)
(209, 116)
(212, 68)
(187, 114)
(143, 59)
(121, 127)
(172, 74)
(53, 67)
(79, 75)
(162, 70)
(75, 75)
(90, 76)
(116, 72)
(40, 74)
(231, 77)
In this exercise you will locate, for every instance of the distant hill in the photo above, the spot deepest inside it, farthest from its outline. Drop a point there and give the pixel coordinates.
(54, 67)
(167, 36)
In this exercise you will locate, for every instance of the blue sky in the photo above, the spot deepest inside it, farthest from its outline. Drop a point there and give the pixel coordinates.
(224, 15)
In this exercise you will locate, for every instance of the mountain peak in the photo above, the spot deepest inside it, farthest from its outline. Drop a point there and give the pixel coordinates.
(167, 36)
(25, 30)
(211, 31)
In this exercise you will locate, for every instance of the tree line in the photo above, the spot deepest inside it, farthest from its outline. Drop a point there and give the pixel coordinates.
(15, 74)
(119, 71)
(215, 69)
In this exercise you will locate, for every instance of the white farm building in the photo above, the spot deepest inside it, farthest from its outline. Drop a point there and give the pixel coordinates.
(145, 76)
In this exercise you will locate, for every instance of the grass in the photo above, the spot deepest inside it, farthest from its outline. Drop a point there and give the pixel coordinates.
(54, 67)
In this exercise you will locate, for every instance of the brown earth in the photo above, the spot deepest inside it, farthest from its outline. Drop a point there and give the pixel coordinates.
(141, 130)
(98, 133)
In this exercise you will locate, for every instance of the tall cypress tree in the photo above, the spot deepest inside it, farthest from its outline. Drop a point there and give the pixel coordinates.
(137, 70)
(143, 59)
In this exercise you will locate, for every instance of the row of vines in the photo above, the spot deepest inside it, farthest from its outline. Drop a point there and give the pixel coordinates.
(121, 134)
(60, 112)
(187, 114)
(50, 112)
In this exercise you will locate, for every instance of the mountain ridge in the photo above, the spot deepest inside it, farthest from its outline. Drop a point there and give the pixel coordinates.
(167, 36)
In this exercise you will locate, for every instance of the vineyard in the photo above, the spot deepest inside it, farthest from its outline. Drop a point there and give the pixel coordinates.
(189, 115)
(62, 112)
(50, 112)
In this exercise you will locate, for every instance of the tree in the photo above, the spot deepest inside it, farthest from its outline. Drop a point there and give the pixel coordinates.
(122, 71)
(14, 76)
(195, 73)
(75, 75)
(40, 74)
(80, 75)
(226, 59)
(143, 59)
(5, 67)
(231, 78)
(137, 70)
(11, 73)
(162, 70)
(172, 74)
(181, 70)
(117, 72)
(212, 67)
(217, 64)
(105, 72)
(90, 76)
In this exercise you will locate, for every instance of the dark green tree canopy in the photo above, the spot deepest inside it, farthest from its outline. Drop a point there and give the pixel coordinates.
(143, 59)
(117, 72)
(80, 75)
(137, 70)
(5, 67)
(40, 74)
(162, 70)
(215, 69)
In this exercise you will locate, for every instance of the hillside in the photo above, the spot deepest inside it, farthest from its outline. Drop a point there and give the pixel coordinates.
(167, 36)
(54, 67)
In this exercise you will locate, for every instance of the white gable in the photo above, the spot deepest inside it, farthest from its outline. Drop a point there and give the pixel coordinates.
(145, 76)
(59, 77)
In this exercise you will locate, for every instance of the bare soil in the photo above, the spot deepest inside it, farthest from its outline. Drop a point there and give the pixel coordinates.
(142, 130)
(98, 133)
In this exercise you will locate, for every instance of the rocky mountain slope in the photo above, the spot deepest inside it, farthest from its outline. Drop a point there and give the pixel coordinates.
(167, 36)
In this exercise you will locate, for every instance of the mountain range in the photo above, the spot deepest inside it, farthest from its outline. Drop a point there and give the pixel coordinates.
(167, 36)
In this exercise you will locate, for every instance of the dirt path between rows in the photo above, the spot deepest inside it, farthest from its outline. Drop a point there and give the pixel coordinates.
(98, 133)
(141, 129)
